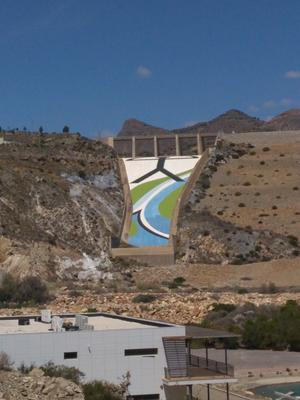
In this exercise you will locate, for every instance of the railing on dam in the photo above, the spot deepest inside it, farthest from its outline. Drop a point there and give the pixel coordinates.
(163, 145)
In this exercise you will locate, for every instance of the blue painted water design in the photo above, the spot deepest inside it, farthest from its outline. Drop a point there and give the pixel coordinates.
(152, 214)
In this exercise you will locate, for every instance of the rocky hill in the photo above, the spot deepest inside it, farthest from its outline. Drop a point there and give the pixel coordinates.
(289, 120)
(245, 205)
(134, 127)
(60, 202)
(230, 121)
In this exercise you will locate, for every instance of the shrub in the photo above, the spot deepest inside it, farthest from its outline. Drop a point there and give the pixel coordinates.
(66, 129)
(61, 371)
(280, 331)
(143, 298)
(8, 288)
(226, 307)
(242, 205)
(179, 280)
(252, 153)
(293, 240)
(5, 362)
(32, 289)
(238, 194)
(247, 184)
(25, 369)
(295, 188)
(98, 390)
(262, 163)
(266, 149)
(82, 174)
(242, 291)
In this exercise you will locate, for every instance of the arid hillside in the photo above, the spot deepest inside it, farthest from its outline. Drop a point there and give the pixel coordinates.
(60, 202)
(245, 206)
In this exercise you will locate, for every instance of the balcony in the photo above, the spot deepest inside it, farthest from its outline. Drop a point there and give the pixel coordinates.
(200, 369)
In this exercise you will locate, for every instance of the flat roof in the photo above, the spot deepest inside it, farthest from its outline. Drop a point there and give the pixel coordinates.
(99, 322)
(196, 332)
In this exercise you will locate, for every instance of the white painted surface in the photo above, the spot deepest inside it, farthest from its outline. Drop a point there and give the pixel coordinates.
(135, 168)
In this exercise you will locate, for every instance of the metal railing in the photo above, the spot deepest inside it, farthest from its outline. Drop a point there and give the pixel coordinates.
(211, 365)
(203, 364)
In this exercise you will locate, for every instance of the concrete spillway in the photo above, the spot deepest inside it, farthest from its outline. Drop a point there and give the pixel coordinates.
(155, 187)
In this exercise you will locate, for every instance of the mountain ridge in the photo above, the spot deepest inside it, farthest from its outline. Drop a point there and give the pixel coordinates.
(231, 121)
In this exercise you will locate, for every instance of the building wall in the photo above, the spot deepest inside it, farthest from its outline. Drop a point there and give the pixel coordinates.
(100, 354)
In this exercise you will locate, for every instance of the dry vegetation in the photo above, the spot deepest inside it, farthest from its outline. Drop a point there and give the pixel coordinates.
(261, 189)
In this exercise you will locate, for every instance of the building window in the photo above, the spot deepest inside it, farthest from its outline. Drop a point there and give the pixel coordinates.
(144, 397)
(70, 355)
(141, 352)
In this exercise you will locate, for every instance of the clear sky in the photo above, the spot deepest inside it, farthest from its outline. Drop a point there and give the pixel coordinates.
(91, 64)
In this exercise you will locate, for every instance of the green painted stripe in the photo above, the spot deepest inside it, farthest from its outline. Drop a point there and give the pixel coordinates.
(139, 191)
(167, 206)
(133, 228)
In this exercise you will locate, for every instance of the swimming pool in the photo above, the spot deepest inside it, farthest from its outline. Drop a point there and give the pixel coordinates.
(270, 390)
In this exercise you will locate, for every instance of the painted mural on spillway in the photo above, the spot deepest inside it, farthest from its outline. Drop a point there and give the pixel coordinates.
(155, 186)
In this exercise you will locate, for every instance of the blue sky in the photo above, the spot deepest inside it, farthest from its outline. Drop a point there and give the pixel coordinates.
(91, 64)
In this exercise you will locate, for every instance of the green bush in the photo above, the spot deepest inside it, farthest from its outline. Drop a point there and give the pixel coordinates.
(143, 298)
(278, 332)
(179, 280)
(8, 288)
(61, 371)
(98, 390)
(226, 307)
(28, 290)
(32, 289)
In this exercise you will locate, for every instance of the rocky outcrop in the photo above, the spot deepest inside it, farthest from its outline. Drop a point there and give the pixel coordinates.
(61, 201)
(37, 386)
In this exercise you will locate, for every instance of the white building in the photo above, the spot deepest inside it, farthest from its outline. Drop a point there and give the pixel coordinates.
(106, 346)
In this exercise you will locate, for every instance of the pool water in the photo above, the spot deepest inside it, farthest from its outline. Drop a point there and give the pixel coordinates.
(269, 391)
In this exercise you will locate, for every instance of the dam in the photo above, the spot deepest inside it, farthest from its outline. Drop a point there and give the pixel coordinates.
(158, 174)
